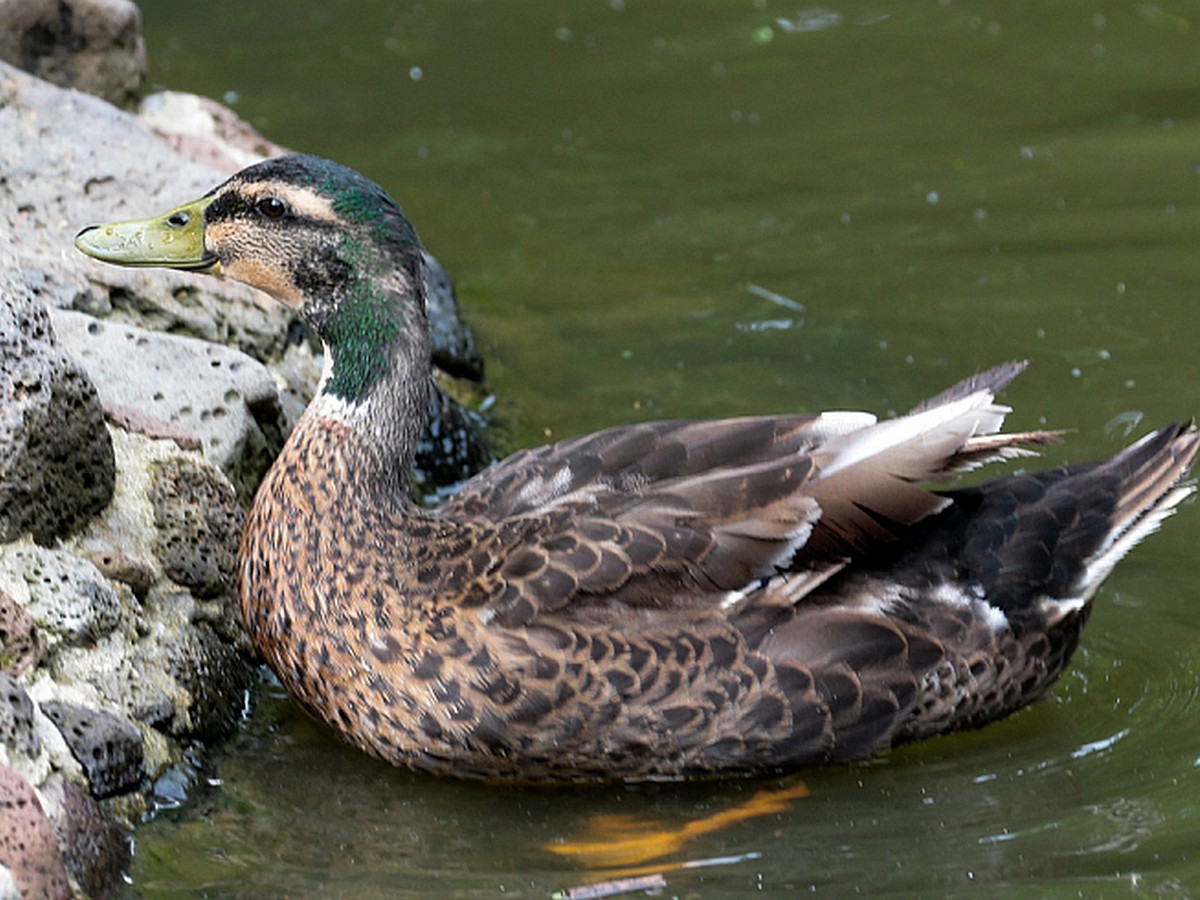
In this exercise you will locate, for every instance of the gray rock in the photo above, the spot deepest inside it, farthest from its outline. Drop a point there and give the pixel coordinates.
(149, 696)
(68, 597)
(96, 850)
(205, 131)
(16, 718)
(28, 846)
(56, 458)
(199, 524)
(180, 387)
(21, 645)
(108, 746)
(92, 45)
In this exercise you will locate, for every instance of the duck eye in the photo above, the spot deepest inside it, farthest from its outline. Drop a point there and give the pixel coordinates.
(271, 207)
(178, 219)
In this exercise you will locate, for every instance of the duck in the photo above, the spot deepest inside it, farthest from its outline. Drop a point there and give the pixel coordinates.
(654, 601)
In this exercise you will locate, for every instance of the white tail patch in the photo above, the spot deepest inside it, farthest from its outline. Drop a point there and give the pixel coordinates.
(838, 423)
(958, 421)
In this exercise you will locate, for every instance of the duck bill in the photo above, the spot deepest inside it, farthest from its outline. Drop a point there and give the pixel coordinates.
(174, 240)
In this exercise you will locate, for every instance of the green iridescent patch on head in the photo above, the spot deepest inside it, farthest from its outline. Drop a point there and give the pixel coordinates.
(372, 296)
(362, 335)
(352, 202)
(362, 202)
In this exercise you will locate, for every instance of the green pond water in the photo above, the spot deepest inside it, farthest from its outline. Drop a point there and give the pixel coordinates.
(683, 209)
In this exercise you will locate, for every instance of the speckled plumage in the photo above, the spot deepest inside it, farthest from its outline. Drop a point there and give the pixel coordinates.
(660, 600)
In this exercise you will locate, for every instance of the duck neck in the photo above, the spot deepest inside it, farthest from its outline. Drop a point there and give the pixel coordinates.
(377, 382)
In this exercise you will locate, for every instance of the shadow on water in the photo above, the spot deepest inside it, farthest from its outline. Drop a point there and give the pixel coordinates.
(657, 210)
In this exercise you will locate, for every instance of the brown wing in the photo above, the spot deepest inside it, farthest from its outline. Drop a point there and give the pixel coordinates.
(626, 459)
(663, 514)
(678, 514)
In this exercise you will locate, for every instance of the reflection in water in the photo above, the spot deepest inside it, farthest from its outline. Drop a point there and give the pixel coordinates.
(623, 840)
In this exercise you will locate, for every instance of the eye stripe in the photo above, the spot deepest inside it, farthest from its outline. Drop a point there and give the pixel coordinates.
(245, 202)
(237, 206)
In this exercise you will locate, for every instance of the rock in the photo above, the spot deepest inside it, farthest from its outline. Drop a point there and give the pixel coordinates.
(452, 448)
(108, 746)
(68, 160)
(190, 387)
(56, 458)
(454, 350)
(216, 678)
(92, 45)
(96, 850)
(67, 597)
(120, 541)
(199, 526)
(16, 718)
(21, 645)
(116, 565)
(28, 846)
(205, 131)
(124, 672)
(146, 694)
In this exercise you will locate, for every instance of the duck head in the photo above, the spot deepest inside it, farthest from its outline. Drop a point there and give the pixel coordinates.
(318, 237)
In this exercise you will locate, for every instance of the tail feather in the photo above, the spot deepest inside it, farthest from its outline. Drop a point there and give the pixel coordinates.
(992, 380)
(1152, 472)
(979, 609)
(868, 480)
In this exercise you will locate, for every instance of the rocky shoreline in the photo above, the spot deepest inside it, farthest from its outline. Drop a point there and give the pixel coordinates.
(138, 411)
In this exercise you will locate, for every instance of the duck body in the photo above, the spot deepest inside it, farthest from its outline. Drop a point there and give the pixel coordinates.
(661, 600)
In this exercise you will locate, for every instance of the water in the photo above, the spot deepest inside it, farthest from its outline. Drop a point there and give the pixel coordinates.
(673, 210)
